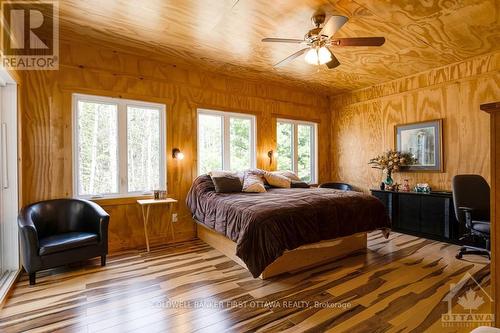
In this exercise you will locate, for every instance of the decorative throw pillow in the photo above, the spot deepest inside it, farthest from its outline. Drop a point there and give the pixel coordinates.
(224, 173)
(227, 184)
(288, 174)
(299, 184)
(259, 172)
(277, 180)
(253, 183)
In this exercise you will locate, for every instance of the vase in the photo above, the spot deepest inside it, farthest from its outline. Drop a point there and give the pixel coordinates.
(388, 179)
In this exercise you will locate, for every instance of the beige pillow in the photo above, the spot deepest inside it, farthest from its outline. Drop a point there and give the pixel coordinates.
(259, 172)
(253, 183)
(277, 180)
(288, 174)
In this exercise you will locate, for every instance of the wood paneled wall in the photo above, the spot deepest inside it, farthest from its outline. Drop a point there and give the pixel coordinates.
(47, 130)
(363, 121)
(359, 126)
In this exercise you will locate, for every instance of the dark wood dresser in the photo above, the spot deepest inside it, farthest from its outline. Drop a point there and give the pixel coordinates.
(428, 215)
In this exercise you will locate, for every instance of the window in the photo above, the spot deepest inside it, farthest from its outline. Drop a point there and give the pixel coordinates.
(225, 141)
(297, 148)
(118, 147)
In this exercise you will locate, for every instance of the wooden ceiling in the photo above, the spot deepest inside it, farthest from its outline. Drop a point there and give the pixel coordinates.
(225, 35)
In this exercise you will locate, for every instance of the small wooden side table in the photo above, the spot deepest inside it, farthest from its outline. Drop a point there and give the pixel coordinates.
(146, 205)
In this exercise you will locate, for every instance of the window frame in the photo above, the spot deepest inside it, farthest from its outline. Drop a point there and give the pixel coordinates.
(122, 144)
(226, 136)
(295, 143)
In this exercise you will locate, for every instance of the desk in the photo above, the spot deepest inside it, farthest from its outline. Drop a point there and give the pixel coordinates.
(146, 205)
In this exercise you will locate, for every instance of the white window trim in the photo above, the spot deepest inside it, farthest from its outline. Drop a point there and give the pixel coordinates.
(226, 135)
(122, 149)
(314, 145)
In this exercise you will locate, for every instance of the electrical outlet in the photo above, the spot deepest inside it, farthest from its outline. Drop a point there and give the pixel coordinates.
(174, 217)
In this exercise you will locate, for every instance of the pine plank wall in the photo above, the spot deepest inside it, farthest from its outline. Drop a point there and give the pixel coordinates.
(353, 127)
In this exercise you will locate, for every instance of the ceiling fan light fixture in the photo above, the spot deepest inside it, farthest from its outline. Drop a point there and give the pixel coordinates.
(311, 56)
(318, 40)
(318, 56)
(324, 55)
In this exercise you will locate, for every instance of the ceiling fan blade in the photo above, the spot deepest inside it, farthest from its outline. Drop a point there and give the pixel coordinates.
(333, 25)
(359, 41)
(332, 63)
(291, 57)
(283, 40)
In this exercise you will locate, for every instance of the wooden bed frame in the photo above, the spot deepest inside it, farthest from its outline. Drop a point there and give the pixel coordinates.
(303, 257)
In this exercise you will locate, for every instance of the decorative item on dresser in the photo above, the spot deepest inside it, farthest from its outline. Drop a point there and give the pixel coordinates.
(429, 215)
(422, 188)
(406, 186)
(62, 231)
(389, 162)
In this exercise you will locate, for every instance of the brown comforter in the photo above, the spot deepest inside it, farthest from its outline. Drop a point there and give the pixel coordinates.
(264, 225)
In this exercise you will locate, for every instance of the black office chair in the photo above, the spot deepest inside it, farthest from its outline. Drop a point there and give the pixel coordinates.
(337, 186)
(471, 197)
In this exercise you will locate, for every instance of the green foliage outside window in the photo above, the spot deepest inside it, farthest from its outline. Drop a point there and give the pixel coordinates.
(240, 140)
(305, 148)
(97, 138)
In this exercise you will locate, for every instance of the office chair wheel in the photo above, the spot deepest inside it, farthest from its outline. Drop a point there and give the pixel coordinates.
(459, 256)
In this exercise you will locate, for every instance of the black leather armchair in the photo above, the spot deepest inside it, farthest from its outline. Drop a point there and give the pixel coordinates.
(58, 232)
(471, 197)
(337, 186)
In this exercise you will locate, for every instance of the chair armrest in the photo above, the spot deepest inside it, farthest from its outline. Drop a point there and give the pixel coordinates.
(96, 219)
(28, 237)
(468, 216)
(27, 229)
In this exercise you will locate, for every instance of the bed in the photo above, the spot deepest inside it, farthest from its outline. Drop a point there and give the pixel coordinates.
(284, 230)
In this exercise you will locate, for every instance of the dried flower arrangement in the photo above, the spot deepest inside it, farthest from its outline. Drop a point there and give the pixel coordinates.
(392, 161)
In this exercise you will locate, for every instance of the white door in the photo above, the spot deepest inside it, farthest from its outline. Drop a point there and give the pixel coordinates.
(9, 245)
(2, 162)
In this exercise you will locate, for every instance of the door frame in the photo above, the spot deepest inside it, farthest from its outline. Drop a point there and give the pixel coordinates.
(494, 110)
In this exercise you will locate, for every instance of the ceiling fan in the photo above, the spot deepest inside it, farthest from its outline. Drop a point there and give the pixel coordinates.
(320, 40)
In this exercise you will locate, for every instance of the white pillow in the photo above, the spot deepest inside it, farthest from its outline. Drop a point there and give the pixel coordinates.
(277, 180)
(253, 183)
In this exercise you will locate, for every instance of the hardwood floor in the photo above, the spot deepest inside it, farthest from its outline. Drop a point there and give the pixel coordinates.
(397, 286)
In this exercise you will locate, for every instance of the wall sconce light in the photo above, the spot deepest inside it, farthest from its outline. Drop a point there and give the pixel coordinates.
(271, 154)
(177, 154)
